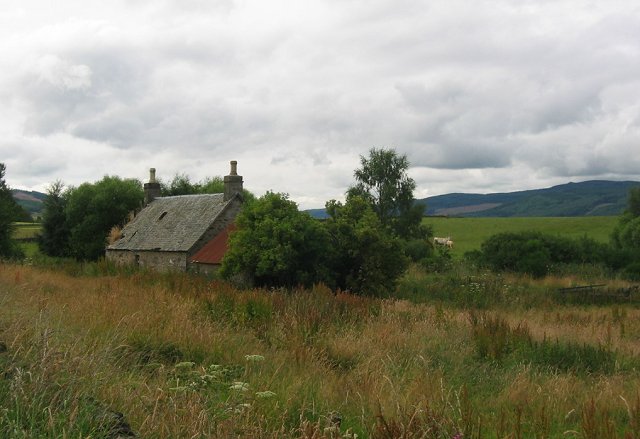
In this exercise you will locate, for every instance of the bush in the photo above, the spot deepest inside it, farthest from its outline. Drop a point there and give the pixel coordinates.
(417, 249)
(632, 271)
(365, 257)
(277, 245)
(535, 253)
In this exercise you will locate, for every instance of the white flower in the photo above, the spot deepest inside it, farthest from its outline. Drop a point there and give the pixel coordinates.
(254, 358)
(239, 386)
(265, 395)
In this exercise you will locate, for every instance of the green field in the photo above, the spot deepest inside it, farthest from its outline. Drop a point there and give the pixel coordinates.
(469, 233)
(27, 230)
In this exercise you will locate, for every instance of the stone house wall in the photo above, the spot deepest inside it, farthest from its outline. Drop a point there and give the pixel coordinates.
(156, 260)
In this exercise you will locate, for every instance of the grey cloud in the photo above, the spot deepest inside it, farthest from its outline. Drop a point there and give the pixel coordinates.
(480, 93)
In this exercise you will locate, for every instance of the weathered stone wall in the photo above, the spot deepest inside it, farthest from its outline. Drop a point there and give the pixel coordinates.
(155, 260)
(177, 261)
(204, 269)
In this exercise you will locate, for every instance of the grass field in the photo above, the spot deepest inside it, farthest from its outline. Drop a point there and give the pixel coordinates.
(27, 230)
(181, 357)
(469, 233)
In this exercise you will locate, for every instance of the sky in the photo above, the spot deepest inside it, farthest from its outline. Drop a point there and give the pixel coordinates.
(481, 95)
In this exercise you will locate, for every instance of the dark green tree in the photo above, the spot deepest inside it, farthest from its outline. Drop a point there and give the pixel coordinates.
(92, 209)
(276, 245)
(182, 185)
(626, 234)
(365, 257)
(8, 214)
(54, 239)
(382, 181)
(633, 202)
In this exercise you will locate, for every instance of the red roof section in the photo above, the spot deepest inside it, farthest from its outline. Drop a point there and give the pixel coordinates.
(214, 250)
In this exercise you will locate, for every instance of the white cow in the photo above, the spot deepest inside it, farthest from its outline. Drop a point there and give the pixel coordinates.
(442, 241)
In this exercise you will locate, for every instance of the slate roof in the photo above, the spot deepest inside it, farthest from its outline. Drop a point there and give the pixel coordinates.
(171, 223)
(214, 250)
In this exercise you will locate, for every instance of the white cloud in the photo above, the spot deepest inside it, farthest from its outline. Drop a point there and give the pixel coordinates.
(482, 96)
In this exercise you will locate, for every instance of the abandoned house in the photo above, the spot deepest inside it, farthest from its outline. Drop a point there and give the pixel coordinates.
(179, 233)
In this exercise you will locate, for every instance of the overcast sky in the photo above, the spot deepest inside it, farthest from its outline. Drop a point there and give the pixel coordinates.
(482, 96)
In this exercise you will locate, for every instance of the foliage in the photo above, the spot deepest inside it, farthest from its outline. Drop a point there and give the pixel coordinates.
(276, 245)
(179, 356)
(54, 239)
(534, 253)
(365, 258)
(8, 214)
(382, 181)
(92, 209)
(417, 249)
(181, 184)
(625, 238)
(633, 202)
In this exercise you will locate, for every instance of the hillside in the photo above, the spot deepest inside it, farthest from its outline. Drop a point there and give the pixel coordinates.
(30, 200)
(589, 198)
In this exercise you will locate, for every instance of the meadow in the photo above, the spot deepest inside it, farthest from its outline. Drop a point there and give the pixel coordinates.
(469, 233)
(90, 351)
(26, 230)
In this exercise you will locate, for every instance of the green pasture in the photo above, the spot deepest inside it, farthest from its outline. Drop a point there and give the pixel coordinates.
(26, 230)
(469, 233)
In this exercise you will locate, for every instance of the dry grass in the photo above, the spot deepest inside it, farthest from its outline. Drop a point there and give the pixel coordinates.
(77, 346)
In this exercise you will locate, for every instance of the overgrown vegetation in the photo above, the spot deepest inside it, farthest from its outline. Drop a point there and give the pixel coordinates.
(363, 246)
(94, 351)
(539, 254)
(9, 213)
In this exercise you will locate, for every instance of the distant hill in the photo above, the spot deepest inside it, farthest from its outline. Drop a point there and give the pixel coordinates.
(589, 198)
(30, 200)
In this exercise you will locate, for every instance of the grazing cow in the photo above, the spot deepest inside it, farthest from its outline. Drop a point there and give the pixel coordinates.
(441, 241)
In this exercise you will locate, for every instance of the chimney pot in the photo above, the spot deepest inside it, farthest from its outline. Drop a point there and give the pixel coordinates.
(232, 182)
(152, 189)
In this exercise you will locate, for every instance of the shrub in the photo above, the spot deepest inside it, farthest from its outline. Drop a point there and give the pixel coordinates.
(632, 271)
(277, 245)
(535, 253)
(417, 249)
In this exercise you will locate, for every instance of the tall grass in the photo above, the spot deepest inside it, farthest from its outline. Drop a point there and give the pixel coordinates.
(94, 353)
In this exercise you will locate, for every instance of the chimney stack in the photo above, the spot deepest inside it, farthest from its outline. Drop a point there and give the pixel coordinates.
(232, 182)
(151, 189)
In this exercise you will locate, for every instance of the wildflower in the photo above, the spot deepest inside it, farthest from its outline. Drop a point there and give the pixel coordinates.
(265, 395)
(254, 358)
(239, 386)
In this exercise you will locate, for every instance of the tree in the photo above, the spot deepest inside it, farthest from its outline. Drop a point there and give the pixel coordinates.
(365, 257)
(276, 245)
(626, 234)
(92, 209)
(54, 239)
(8, 214)
(182, 185)
(633, 202)
(382, 181)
